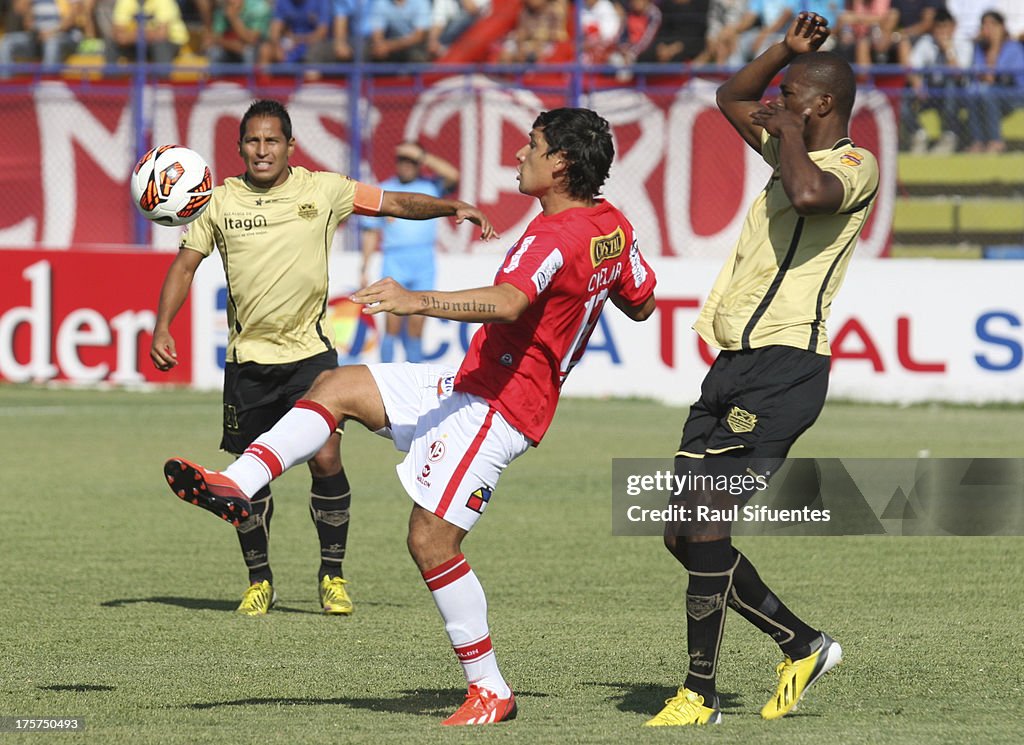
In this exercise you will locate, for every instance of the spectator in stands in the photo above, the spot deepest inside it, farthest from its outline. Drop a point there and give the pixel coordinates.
(601, 23)
(998, 90)
(541, 26)
(47, 31)
(864, 25)
(680, 38)
(398, 30)
(198, 16)
(238, 30)
(939, 90)
(164, 31)
(342, 35)
(298, 32)
(450, 20)
(639, 28)
(727, 20)
(892, 43)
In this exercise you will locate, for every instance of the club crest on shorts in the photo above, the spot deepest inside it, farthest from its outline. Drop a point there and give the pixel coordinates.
(741, 421)
(436, 451)
(479, 499)
(230, 417)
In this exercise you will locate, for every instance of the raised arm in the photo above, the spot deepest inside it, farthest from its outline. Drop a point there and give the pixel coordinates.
(740, 96)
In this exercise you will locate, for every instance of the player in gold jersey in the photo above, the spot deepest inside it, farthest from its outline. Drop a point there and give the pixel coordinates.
(767, 313)
(273, 227)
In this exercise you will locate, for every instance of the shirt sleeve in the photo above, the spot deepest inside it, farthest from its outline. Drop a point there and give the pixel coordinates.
(769, 148)
(532, 264)
(198, 234)
(857, 170)
(638, 280)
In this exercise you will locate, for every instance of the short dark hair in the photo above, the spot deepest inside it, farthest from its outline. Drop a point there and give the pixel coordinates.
(584, 139)
(830, 73)
(942, 16)
(267, 107)
(995, 15)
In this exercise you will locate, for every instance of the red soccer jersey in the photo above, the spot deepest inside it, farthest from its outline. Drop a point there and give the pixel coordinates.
(567, 264)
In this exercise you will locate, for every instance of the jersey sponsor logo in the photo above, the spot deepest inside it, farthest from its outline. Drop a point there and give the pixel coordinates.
(607, 247)
(435, 452)
(426, 470)
(851, 159)
(445, 385)
(478, 500)
(636, 266)
(244, 224)
(513, 261)
(547, 270)
(741, 421)
(308, 210)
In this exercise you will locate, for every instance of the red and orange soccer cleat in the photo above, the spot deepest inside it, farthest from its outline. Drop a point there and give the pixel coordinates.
(483, 706)
(210, 490)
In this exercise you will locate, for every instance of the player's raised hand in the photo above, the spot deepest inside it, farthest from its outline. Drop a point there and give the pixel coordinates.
(387, 296)
(807, 33)
(474, 215)
(162, 351)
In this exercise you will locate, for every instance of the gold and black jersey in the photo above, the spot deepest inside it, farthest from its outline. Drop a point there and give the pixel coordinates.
(778, 283)
(275, 244)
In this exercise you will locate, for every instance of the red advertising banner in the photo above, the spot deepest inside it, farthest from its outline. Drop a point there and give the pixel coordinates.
(681, 174)
(84, 316)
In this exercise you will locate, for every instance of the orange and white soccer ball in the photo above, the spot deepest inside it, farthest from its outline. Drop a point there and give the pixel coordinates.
(171, 185)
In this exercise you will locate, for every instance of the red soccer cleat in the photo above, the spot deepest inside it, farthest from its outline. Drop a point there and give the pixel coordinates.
(210, 490)
(482, 706)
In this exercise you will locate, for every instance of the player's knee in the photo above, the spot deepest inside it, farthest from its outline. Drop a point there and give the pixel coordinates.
(431, 541)
(675, 545)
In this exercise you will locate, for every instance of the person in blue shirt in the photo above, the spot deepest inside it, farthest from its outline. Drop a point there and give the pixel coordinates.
(298, 31)
(999, 86)
(408, 246)
(398, 30)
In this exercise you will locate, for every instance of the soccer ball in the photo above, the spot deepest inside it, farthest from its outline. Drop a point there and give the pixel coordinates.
(171, 185)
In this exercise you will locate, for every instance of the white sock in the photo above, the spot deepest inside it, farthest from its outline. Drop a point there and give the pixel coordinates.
(294, 439)
(463, 605)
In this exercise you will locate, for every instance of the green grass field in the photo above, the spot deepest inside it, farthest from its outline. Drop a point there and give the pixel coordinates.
(117, 598)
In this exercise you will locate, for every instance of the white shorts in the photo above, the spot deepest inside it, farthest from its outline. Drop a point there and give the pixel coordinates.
(457, 444)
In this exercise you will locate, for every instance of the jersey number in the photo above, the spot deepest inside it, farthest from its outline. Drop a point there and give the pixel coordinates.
(591, 312)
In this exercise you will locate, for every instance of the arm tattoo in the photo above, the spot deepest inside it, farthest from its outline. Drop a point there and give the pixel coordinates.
(468, 306)
(418, 207)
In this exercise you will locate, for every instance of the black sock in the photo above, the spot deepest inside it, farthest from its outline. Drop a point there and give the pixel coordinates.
(254, 537)
(754, 600)
(710, 568)
(329, 502)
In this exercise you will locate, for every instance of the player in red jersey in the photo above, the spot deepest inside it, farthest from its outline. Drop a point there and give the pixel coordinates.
(462, 429)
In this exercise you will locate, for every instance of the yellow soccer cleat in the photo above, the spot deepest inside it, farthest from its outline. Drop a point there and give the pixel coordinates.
(333, 597)
(795, 677)
(686, 707)
(258, 599)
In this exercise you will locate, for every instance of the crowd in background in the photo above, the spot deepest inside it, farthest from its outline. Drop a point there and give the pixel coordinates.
(983, 38)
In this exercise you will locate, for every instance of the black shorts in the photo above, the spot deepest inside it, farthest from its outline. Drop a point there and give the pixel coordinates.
(755, 403)
(256, 396)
